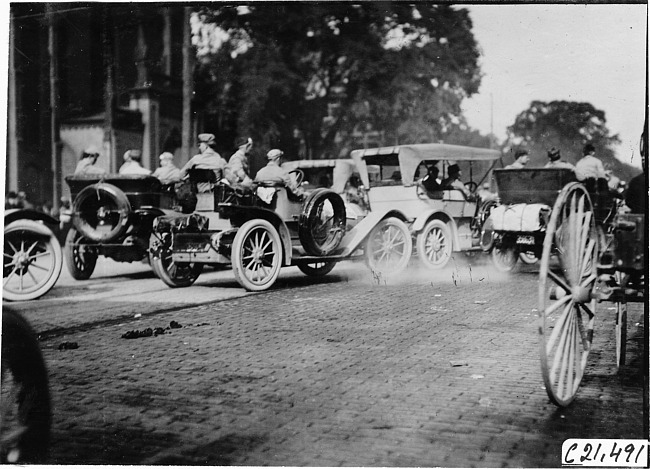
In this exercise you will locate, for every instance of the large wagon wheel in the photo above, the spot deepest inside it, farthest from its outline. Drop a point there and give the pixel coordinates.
(32, 260)
(566, 310)
(621, 325)
(256, 255)
(389, 247)
(80, 255)
(173, 274)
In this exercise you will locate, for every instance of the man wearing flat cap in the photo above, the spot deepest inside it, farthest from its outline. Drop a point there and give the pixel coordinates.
(237, 169)
(87, 162)
(132, 164)
(555, 160)
(208, 158)
(273, 172)
(167, 172)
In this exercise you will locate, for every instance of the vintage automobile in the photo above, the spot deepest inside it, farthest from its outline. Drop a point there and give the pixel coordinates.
(32, 255)
(441, 222)
(317, 173)
(112, 216)
(323, 173)
(516, 228)
(259, 232)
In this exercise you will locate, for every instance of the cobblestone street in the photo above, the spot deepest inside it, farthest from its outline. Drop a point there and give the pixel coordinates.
(343, 371)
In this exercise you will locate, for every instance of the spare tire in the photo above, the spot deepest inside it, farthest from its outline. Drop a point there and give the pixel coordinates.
(101, 212)
(322, 222)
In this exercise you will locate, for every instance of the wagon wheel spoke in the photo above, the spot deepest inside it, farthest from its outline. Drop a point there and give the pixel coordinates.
(559, 281)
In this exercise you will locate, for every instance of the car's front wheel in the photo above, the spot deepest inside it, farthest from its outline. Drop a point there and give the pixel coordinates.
(256, 255)
(389, 247)
(32, 260)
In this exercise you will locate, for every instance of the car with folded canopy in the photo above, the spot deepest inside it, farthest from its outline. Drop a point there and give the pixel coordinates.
(438, 223)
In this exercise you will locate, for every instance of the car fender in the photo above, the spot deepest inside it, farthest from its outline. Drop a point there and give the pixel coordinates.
(14, 214)
(240, 215)
(435, 214)
(357, 235)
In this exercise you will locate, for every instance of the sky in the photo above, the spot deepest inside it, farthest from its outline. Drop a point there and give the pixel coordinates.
(592, 53)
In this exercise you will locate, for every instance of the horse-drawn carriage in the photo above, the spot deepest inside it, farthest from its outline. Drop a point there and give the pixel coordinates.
(589, 251)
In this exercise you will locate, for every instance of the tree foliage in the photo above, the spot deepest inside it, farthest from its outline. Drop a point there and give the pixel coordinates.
(307, 76)
(564, 125)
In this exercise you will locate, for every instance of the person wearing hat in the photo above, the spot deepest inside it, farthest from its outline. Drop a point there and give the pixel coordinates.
(273, 172)
(132, 164)
(430, 181)
(453, 181)
(87, 162)
(237, 169)
(167, 172)
(521, 160)
(555, 160)
(207, 158)
(590, 167)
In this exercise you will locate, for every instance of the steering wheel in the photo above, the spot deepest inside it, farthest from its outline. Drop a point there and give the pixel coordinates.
(472, 186)
(299, 175)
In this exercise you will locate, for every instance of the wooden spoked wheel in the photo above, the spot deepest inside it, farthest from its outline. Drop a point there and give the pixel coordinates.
(566, 310)
(256, 255)
(621, 334)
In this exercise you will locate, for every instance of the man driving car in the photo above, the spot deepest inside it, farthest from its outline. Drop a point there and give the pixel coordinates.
(273, 172)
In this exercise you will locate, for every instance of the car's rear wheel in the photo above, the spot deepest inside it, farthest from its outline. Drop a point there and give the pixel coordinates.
(32, 260)
(504, 258)
(528, 257)
(80, 255)
(389, 247)
(256, 255)
(173, 274)
(317, 269)
(101, 212)
(25, 414)
(435, 245)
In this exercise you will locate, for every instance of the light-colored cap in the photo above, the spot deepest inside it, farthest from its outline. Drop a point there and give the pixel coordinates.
(91, 150)
(166, 156)
(207, 138)
(273, 154)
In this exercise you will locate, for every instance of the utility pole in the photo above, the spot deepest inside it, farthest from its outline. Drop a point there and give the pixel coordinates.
(12, 126)
(55, 135)
(109, 92)
(188, 66)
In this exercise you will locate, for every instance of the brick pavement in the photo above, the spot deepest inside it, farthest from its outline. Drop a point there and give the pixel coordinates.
(351, 373)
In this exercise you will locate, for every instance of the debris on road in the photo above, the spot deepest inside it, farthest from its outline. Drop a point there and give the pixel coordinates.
(458, 363)
(68, 346)
(148, 332)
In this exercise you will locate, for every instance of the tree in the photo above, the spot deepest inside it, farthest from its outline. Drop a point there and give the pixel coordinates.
(561, 124)
(313, 73)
